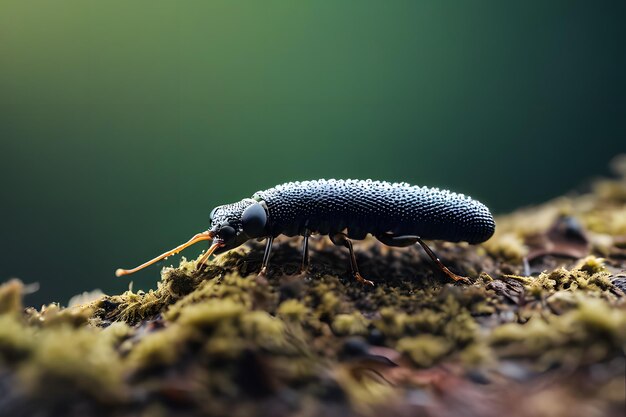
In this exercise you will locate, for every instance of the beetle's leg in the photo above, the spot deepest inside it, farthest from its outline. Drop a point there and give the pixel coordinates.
(266, 255)
(340, 239)
(397, 241)
(440, 264)
(305, 253)
(401, 241)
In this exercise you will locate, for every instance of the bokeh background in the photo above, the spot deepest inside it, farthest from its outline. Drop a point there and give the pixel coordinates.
(122, 123)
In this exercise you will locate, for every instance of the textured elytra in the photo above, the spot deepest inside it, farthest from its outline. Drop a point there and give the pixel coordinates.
(376, 207)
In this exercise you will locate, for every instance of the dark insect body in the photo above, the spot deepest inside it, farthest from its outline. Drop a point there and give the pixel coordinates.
(397, 214)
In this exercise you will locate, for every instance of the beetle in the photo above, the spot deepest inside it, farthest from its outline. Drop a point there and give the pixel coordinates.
(397, 214)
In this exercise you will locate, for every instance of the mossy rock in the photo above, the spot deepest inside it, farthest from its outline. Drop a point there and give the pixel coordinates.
(222, 341)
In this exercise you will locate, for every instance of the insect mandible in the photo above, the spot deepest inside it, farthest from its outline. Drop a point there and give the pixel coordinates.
(397, 214)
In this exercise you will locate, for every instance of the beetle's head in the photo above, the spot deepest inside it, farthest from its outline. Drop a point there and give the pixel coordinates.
(231, 225)
(234, 224)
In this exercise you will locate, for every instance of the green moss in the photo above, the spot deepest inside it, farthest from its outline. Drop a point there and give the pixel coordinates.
(175, 284)
(293, 310)
(226, 347)
(508, 246)
(593, 331)
(391, 322)
(591, 265)
(157, 349)
(595, 318)
(16, 340)
(210, 314)
(424, 350)
(426, 321)
(531, 339)
(232, 287)
(521, 279)
(11, 296)
(349, 324)
(265, 331)
(461, 329)
(117, 331)
(366, 390)
(590, 276)
(68, 362)
(329, 305)
(132, 307)
(55, 315)
(477, 355)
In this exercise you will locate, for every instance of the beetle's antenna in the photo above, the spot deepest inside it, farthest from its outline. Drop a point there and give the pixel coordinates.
(208, 235)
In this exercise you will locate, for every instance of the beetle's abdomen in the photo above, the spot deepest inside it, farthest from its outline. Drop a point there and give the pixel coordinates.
(330, 206)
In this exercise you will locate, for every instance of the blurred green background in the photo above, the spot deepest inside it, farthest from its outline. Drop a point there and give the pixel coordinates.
(122, 123)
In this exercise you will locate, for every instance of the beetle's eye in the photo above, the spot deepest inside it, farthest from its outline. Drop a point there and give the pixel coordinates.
(212, 214)
(253, 220)
(227, 233)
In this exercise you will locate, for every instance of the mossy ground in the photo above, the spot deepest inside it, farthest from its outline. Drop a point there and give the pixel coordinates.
(540, 331)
